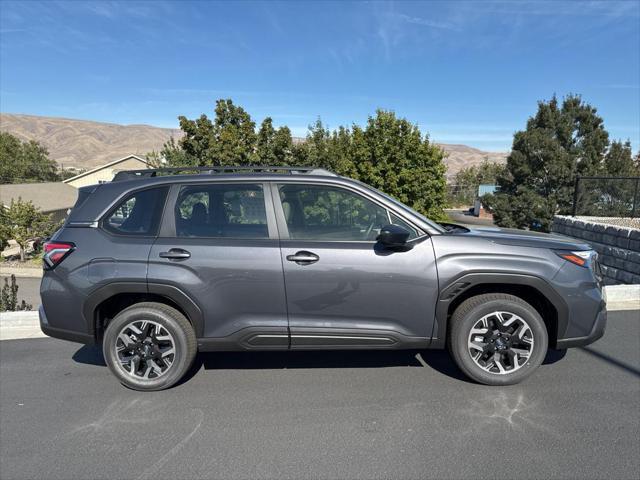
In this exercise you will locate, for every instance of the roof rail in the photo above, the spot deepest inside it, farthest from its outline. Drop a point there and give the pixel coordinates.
(156, 172)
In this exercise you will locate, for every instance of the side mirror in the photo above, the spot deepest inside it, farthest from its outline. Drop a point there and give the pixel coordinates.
(393, 236)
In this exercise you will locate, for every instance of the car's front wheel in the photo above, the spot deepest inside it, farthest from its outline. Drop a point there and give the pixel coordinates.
(497, 339)
(149, 346)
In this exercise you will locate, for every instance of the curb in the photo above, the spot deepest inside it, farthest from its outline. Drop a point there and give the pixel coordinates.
(622, 297)
(16, 325)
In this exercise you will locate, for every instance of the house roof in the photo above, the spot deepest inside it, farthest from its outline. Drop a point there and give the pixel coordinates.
(48, 197)
(107, 165)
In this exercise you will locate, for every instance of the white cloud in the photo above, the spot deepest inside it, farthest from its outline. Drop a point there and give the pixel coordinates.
(425, 22)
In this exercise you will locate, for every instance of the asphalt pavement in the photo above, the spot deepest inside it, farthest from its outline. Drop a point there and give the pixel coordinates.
(322, 415)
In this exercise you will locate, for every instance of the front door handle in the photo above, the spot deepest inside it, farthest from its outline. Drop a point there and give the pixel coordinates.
(303, 258)
(175, 254)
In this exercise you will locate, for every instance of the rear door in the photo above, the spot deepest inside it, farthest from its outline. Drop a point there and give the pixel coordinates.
(343, 288)
(218, 244)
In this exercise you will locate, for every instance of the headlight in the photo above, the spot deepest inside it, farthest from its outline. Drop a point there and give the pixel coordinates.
(582, 258)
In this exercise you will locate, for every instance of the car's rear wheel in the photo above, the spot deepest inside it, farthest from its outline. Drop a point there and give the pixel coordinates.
(497, 339)
(149, 346)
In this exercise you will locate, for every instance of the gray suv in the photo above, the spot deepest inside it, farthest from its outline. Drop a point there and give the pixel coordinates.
(157, 265)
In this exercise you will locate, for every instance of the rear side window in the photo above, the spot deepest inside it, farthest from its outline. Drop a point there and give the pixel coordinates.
(138, 214)
(221, 210)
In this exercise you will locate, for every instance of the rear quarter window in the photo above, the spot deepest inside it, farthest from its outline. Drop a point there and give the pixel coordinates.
(138, 214)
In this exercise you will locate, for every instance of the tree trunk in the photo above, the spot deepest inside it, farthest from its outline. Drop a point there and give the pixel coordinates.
(21, 253)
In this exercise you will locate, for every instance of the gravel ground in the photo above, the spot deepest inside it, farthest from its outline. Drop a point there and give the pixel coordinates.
(627, 222)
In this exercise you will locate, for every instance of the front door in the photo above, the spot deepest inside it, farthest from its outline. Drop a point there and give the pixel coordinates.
(343, 288)
(218, 244)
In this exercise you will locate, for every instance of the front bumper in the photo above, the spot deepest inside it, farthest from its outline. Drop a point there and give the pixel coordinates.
(61, 333)
(597, 331)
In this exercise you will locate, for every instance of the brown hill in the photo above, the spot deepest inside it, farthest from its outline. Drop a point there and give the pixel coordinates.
(86, 144)
(461, 156)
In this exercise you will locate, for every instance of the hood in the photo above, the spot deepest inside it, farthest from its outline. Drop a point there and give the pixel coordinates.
(524, 238)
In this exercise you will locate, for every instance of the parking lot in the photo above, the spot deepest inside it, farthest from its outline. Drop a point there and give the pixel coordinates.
(322, 415)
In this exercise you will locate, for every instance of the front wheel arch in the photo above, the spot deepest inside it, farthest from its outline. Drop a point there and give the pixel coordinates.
(533, 290)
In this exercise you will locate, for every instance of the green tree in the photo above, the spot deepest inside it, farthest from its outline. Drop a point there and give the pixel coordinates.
(22, 221)
(560, 142)
(23, 162)
(314, 152)
(274, 147)
(619, 161)
(265, 142)
(229, 140)
(391, 154)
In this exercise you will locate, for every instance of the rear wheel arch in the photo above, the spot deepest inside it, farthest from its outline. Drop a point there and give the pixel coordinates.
(108, 301)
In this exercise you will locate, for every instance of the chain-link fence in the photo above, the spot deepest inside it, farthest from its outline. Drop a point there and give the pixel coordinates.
(607, 196)
(461, 195)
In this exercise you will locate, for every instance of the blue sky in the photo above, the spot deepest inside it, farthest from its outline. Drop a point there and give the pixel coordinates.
(467, 72)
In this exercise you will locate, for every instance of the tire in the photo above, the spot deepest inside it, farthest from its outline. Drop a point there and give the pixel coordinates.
(513, 346)
(165, 347)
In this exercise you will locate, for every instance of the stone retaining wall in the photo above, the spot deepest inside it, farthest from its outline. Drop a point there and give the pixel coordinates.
(618, 247)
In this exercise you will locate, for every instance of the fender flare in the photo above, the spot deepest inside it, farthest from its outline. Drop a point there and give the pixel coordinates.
(171, 292)
(464, 282)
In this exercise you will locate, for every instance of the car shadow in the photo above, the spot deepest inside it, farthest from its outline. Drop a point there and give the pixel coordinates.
(308, 359)
(438, 360)
(553, 356)
(90, 355)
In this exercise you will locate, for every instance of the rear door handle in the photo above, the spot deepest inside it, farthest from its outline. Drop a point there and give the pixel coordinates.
(175, 254)
(303, 258)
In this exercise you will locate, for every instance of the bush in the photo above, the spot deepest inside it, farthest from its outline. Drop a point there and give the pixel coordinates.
(9, 297)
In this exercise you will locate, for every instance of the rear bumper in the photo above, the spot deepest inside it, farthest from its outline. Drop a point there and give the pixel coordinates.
(61, 333)
(597, 331)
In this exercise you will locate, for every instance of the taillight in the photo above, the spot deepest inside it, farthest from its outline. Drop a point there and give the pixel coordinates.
(582, 258)
(55, 252)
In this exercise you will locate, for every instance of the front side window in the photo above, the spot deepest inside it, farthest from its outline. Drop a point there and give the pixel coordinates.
(138, 214)
(222, 210)
(318, 212)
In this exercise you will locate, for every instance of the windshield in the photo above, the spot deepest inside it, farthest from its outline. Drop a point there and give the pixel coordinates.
(404, 207)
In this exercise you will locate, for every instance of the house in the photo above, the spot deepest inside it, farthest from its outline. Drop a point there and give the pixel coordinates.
(105, 173)
(54, 198)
